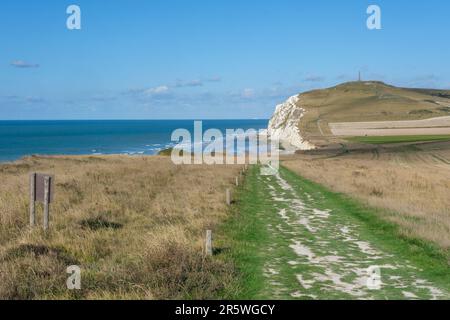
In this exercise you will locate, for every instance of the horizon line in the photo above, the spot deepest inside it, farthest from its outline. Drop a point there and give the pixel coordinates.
(186, 119)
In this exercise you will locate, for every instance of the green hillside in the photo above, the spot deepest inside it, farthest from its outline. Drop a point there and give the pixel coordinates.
(367, 101)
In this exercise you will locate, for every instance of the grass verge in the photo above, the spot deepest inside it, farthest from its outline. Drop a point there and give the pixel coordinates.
(428, 257)
(399, 139)
(245, 235)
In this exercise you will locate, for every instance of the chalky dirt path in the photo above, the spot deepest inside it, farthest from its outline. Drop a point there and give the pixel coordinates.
(317, 252)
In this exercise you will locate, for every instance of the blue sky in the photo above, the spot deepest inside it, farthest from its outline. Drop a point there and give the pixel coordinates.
(198, 59)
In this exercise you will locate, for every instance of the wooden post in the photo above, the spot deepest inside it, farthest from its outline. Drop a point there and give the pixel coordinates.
(32, 199)
(46, 202)
(228, 197)
(237, 181)
(208, 245)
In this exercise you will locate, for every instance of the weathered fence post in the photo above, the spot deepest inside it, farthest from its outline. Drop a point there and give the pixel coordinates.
(46, 202)
(228, 197)
(41, 190)
(208, 245)
(32, 199)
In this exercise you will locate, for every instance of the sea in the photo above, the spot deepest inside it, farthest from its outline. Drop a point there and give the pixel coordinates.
(102, 137)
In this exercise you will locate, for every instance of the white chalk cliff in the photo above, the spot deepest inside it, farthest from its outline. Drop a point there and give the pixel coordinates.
(284, 125)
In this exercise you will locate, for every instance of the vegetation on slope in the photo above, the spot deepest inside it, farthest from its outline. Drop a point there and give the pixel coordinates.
(410, 181)
(367, 101)
(135, 226)
(399, 139)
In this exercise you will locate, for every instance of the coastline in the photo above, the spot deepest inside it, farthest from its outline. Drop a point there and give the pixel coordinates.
(19, 139)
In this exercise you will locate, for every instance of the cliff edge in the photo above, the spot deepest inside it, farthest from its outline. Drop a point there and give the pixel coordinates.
(284, 125)
(308, 121)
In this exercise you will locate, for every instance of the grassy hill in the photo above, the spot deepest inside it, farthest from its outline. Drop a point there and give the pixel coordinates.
(367, 101)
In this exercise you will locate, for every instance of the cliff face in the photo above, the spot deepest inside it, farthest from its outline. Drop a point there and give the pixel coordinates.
(316, 112)
(284, 124)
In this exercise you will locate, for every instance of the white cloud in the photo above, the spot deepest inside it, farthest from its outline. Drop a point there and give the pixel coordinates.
(22, 64)
(214, 79)
(248, 93)
(160, 90)
(34, 100)
(191, 83)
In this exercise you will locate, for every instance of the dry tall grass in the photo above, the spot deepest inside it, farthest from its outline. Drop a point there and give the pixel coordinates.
(135, 226)
(413, 182)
